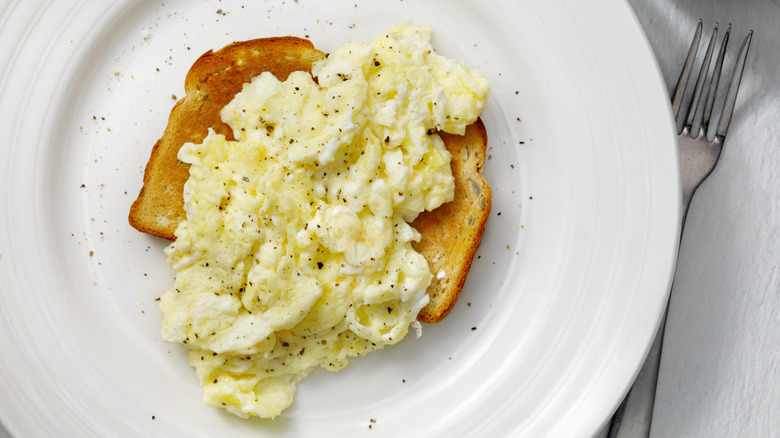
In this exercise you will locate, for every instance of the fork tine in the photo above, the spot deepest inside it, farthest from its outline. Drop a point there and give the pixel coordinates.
(705, 120)
(731, 95)
(705, 66)
(686, 72)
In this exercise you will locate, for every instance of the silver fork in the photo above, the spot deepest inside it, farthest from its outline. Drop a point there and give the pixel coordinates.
(698, 157)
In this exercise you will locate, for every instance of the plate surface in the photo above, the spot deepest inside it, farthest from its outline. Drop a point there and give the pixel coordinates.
(557, 313)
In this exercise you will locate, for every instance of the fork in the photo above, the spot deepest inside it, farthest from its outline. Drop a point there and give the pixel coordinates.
(698, 157)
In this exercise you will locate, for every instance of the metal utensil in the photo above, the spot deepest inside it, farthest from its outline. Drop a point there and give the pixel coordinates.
(698, 157)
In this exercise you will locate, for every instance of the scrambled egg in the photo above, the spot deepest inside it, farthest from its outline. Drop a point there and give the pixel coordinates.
(296, 251)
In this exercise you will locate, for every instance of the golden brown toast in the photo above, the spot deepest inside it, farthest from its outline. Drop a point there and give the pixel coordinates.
(211, 83)
(450, 234)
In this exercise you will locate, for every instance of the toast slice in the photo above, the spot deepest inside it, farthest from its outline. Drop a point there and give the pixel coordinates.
(450, 234)
(211, 83)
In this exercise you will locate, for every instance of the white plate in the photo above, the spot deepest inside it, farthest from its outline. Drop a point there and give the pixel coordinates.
(557, 313)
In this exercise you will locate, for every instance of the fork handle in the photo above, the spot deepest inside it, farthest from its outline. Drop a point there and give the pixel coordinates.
(634, 416)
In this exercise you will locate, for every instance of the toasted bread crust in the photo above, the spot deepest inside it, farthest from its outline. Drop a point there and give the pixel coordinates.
(450, 234)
